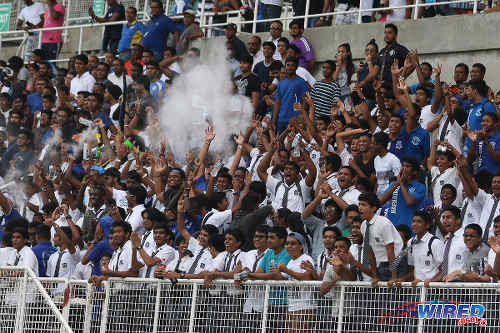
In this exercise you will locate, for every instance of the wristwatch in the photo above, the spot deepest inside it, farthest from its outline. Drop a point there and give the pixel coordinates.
(181, 275)
(139, 247)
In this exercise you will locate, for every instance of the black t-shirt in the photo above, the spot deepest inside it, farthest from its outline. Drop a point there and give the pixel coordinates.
(387, 56)
(115, 31)
(247, 85)
(368, 168)
(240, 49)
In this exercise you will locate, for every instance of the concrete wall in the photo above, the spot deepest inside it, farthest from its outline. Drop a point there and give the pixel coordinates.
(445, 40)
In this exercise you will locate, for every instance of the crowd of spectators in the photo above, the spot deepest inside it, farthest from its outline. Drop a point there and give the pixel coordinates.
(355, 176)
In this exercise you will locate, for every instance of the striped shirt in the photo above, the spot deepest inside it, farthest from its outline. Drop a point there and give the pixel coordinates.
(323, 95)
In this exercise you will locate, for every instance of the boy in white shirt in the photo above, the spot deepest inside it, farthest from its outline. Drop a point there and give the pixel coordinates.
(387, 165)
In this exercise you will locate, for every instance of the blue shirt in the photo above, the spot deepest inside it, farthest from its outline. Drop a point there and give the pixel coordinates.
(477, 111)
(486, 162)
(192, 226)
(413, 88)
(34, 101)
(262, 72)
(157, 32)
(104, 117)
(399, 212)
(155, 88)
(289, 92)
(419, 144)
(42, 252)
(131, 34)
(95, 255)
(277, 295)
(398, 146)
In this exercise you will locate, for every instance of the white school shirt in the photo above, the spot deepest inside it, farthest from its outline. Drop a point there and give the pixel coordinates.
(491, 260)
(438, 180)
(382, 233)
(221, 220)
(118, 81)
(334, 293)
(426, 115)
(355, 249)
(386, 168)
(488, 202)
(295, 202)
(183, 266)
(254, 295)
(134, 218)
(26, 257)
(165, 253)
(426, 265)
(299, 298)
(206, 262)
(350, 195)
(456, 256)
(85, 82)
(32, 13)
(453, 133)
(82, 272)
(5, 253)
(473, 209)
(67, 267)
(256, 157)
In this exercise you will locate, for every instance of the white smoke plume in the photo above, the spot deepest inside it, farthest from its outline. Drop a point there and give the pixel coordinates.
(201, 96)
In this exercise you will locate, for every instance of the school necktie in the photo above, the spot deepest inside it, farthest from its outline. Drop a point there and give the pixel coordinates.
(284, 201)
(444, 264)
(58, 265)
(195, 262)
(486, 231)
(150, 268)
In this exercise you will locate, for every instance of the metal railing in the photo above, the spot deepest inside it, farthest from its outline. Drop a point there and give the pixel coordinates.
(256, 306)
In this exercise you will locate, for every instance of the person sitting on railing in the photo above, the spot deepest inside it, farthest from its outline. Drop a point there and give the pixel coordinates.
(112, 33)
(33, 16)
(306, 58)
(52, 40)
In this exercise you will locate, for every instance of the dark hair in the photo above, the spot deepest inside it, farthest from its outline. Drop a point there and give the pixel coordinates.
(350, 64)
(294, 60)
(454, 210)
(283, 212)
(171, 49)
(296, 22)
(393, 27)
(270, 44)
(424, 216)
(426, 92)
(217, 241)
(412, 161)
(351, 170)
(154, 215)
(21, 231)
(216, 198)
(493, 116)
(332, 64)
(83, 58)
(448, 154)
(334, 229)
(112, 172)
(481, 67)
(279, 231)
(121, 224)
(293, 164)
(276, 65)
(295, 224)
(370, 198)
(345, 240)
(364, 182)
(284, 40)
(144, 81)
(381, 139)
(236, 233)
(250, 202)
(154, 64)
(480, 86)
(259, 188)
(114, 91)
(43, 231)
(210, 229)
(165, 227)
(476, 227)
(139, 193)
(372, 42)
(295, 49)
(334, 160)
(159, 2)
(133, 8)
(263, 228)
(405, 230)
(465, 67)
(247, 59)
(351, 208)
(451, 188)
(84, 93)
(7, 238)
(99, 97)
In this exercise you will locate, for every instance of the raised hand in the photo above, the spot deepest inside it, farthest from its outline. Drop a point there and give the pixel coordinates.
(209, 134)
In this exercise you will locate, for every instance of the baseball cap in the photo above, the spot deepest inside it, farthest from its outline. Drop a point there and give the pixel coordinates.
(189, 12)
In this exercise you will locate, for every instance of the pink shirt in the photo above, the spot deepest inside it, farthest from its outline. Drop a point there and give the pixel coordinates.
(54, 36)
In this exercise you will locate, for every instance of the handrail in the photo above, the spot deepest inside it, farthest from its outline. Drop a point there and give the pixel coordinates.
(239, 20)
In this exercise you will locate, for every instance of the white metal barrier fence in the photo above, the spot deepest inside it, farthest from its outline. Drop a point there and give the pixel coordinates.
(26, 306)
(149, 305)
